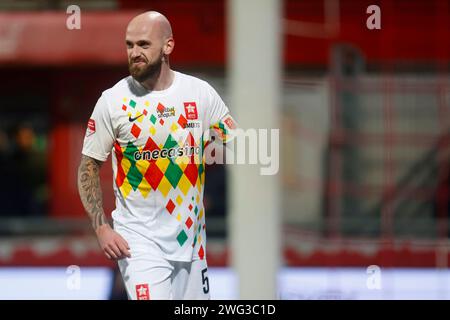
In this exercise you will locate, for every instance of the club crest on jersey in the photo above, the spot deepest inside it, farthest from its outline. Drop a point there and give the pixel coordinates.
(142, 292)
(190, 108)
(90, 127)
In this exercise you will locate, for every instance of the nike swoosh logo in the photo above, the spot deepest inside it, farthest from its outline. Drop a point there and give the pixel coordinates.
(132, 119)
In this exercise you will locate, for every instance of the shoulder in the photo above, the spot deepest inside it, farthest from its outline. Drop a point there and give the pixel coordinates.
(193, 81)
(120, 87)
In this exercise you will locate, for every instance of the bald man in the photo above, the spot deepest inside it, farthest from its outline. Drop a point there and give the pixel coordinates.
(156, 124)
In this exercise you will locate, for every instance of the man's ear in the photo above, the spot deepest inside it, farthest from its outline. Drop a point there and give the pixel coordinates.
(168, 47)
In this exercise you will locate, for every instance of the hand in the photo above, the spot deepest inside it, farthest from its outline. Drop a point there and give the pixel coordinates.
(113, 245)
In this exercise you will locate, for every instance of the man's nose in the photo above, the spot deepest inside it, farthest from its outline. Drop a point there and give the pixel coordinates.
(135, 52)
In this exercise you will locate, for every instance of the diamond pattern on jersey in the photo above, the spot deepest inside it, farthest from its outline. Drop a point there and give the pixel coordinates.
(182, 237)
(135, 130)
(155, 173)
(162, 174)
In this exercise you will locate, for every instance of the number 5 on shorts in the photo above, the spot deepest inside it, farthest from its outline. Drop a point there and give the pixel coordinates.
(205, 281)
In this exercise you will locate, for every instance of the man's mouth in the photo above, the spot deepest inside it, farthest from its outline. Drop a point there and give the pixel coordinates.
(138, 61)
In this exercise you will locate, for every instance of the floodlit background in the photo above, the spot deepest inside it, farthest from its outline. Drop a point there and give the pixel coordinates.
(362, 195)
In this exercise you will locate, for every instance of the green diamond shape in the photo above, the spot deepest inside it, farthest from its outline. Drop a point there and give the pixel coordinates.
(196, 210)
(170, 142)
(153, 119)
(132, 103)
(182, 237)
(134, 176)
(200, 170)
(223, 128)
(173, 174)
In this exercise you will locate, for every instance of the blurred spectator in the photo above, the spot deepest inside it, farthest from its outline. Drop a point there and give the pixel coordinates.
(23, 171)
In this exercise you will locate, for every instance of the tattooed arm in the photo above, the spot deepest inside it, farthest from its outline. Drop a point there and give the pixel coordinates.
(90, 191)
(112, 244)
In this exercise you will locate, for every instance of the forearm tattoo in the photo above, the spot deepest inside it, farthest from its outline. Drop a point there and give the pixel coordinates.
(90, 190)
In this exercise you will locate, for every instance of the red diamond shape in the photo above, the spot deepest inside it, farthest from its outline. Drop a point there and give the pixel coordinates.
(188, 222)
(135, 130)
(124, 107)
(190, 207)
(144, 112)
(182, 121)
(201, 253)
(161, 121)
(160, 108)
(150, 145)
(170, 206)
(153, 175)
(191, 172)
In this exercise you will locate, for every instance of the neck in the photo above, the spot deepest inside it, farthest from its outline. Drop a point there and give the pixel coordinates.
(160, 80)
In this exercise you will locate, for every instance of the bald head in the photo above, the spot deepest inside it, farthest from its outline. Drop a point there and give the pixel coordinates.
(151, 23)
(149, 43)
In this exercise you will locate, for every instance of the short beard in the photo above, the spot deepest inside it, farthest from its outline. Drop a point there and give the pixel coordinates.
(148, 71)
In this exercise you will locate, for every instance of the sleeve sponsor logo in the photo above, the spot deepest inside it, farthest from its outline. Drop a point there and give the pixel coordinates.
(190, 108)
(230, 123)
(90, 127)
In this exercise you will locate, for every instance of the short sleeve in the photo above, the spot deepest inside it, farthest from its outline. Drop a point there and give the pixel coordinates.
(220, 119)
(99, 138)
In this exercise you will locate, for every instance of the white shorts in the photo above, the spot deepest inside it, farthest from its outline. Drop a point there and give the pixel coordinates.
(147, 275)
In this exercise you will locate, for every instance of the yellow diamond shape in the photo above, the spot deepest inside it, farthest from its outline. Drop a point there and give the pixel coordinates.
(179, 200)
(152, 130)
(129, 114)
(182, 162)
(162, 164)
(200, 215)
(199, 238)
(184, 184)
(198, 184)
(125, 188)
(174, 127)
(124, 99)
(126, 164)
(198, 199)
(142, 166)
(164, 186)
(147, 103)
(197, 159)
(138, 116)
(179, 217)
(144, 187)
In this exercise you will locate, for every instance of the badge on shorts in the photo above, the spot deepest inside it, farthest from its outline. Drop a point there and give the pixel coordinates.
(142, 292)
(190, 108)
